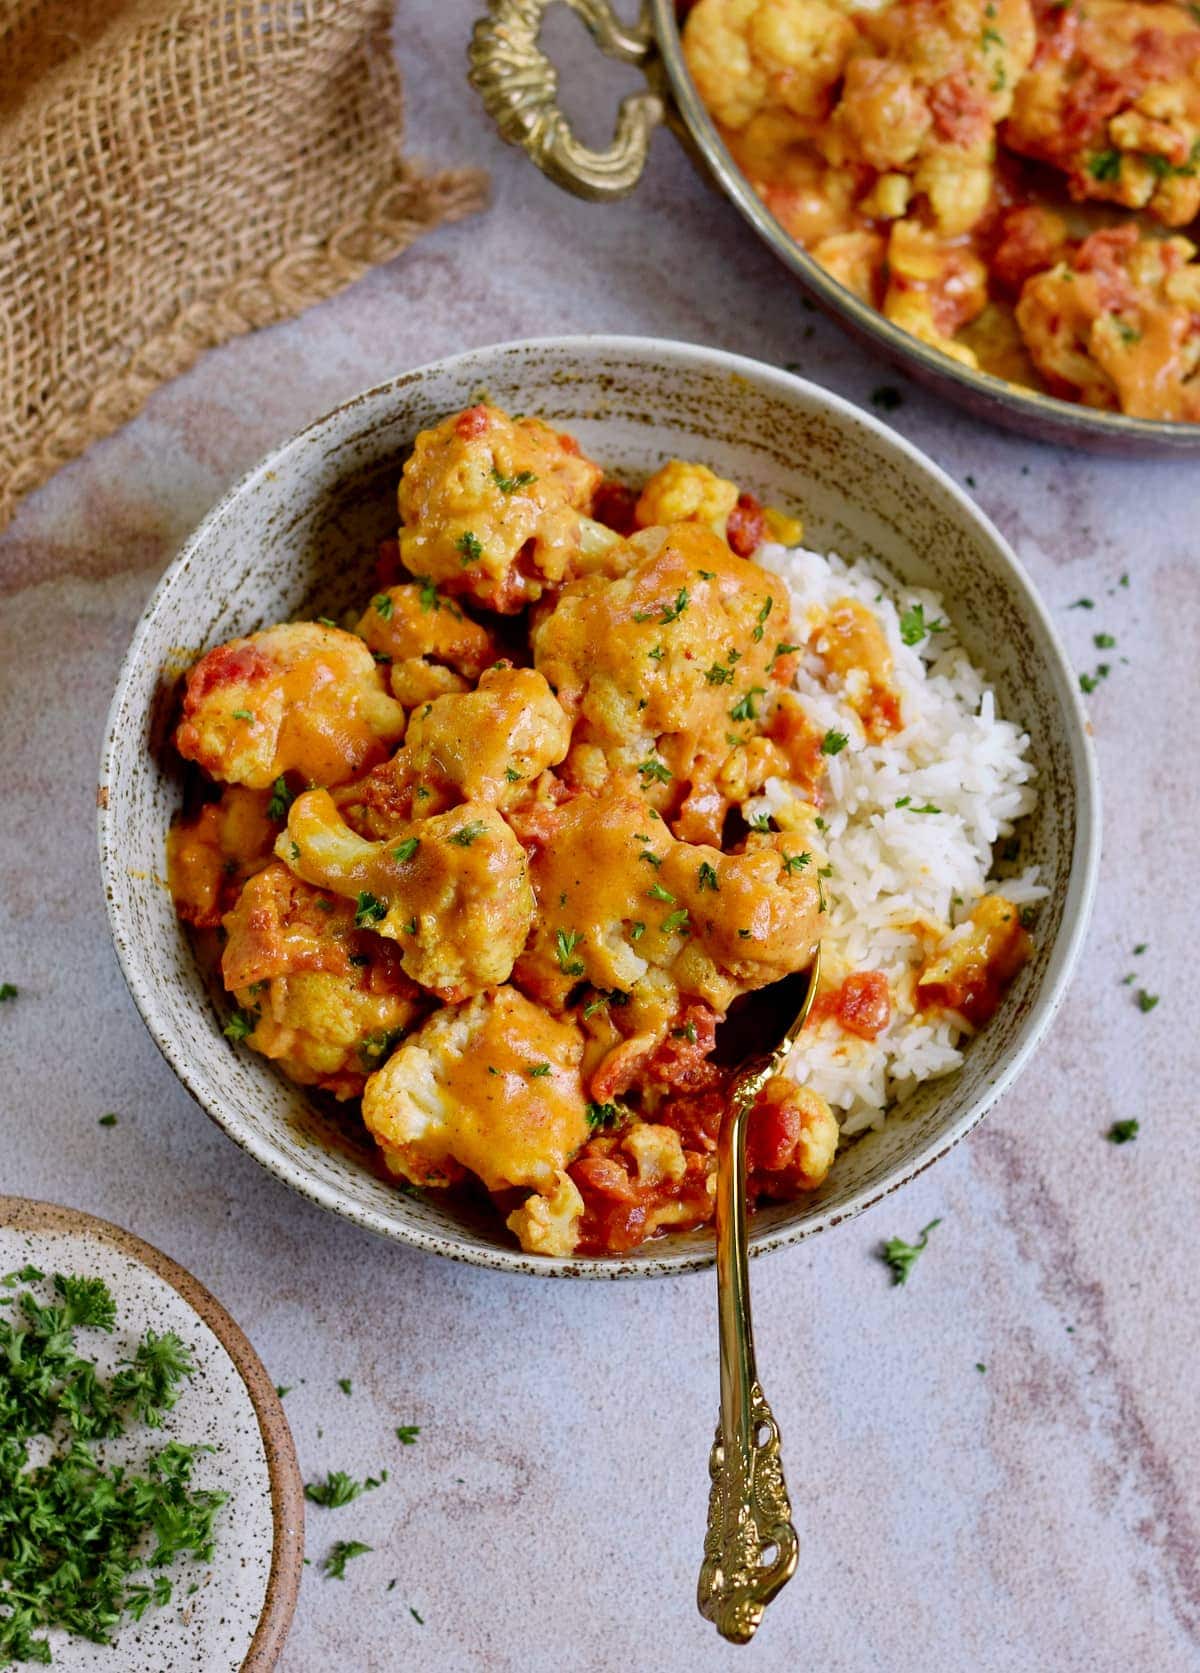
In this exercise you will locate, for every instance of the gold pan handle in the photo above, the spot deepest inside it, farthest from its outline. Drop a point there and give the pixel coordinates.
(519, 88)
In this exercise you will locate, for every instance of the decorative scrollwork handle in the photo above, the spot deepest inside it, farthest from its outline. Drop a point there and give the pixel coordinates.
(519, 88)
(750, 1547)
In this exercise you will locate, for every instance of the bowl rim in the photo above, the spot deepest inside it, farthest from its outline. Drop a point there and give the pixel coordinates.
(1082, 875)
(1056, 416)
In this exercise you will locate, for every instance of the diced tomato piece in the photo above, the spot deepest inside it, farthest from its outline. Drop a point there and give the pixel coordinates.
(746, 526)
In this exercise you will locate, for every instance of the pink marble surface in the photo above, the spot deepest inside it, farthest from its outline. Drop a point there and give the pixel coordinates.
(1039, 1515)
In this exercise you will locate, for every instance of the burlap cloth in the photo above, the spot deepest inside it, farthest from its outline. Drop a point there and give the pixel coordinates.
(173, 172)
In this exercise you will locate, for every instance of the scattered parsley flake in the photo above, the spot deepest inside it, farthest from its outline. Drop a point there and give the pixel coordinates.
(512, 775)
(833, 743)
(636, 931)
(334, 1564)
(1088, 683)
(657, 654)
(928, 808)
(283, 1388)
(707, 574)
(369, 910)
(382, 606)
(536, 1071)
(510, 484)
(604, 1115)
(672, 612)
(406, 1433)
(1082, 604)
(406, 850)
(1103, 641)
(718, 674)
(419, 1619)
(429, 597)
(281, 800)
(761, 822)
(903, 801)
(243, 714)
(109, 1120)
(980, 1367)
(900, 1256)
(8, 990)
(796, 862)
(914, 627)
(325, 621)
(1140, 948)
(468, 548)
(1121, 1132)
(707, 878)
(674, 921)
(1146, 1001)
(345, 1385)
(338, 1489)
(655, 771)
(760, 620)
(240, 1025)
(744, 709)
(565, 943)
(466, 834)
(1105, 165)
(657, 892)
(784, 649)
(410, 928)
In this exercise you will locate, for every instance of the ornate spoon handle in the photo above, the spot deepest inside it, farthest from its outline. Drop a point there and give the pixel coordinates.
(750, 1548)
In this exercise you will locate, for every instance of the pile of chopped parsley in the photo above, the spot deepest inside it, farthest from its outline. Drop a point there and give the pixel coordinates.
(77, 1535)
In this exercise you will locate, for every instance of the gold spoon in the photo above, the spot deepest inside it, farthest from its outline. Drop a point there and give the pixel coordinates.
(750, 1548)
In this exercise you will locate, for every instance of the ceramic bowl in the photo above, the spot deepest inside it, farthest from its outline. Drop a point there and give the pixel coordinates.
(297, 537)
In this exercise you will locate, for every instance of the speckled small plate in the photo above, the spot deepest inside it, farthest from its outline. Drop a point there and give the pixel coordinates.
(238, 1616)
(297, 538)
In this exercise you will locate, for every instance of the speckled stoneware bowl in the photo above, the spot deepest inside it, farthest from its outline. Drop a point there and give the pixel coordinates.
(236, 1618)
(297, 538)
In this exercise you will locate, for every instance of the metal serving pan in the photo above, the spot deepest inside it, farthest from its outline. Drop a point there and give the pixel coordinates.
(519, 87)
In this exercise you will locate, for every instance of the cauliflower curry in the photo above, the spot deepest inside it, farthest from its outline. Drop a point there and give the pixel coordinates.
(480, 859)
(1006, 179)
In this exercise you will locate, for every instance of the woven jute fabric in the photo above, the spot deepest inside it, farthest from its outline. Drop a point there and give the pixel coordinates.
(172, 173)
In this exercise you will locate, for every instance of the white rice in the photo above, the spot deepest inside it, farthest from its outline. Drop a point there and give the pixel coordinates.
(892, 866)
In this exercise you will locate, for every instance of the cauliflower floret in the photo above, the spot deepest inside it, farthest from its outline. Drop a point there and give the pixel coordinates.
(323, 998)
(657, 664)
(683, 493)
(746, 54)
(972, 972)
(791, 1139)
(934, 288)
(210, 855)
(430, 645)
(852, 645)
(549, 1225)
(492, 1087)
(493, 508)
(453, 892)
(300, 698)
(619, 898)
(657, 1152)
(1118, 324)
(487, 745)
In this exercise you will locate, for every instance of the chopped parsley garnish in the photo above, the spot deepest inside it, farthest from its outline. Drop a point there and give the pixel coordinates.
(1088, 683)
(536, 1071)
(654, 771)
(334, 1564)
(657, 892)
(887, 398)
(410, 928)
(928, 808)
(1121, 1132)
(783, 649)
(8, 990)
(243, 714)
(657, 654)
(1082, 604)
(406, 850)
(240, 1025)
(707, 878)
(1104, 165)
(760, 620)
(337, 1489)
(914, 627)
(796, 862)
(761, 822)
(674, 921)
(672, 612)
(991, 37)
(636, 931)
(603, 1115)
(565, 943)
(419, 1619)
(642, 615)
(77, 1534)
(407, 1433)
(324, 902)
(1103, 641)
(281, 800)
(346, 1386)
(903, 801)
(466, 834)
(833, 743)
(600, 1001)
(324, 621)
(510, 484)
(382, 606)
(429, 594)
(368, 910)
(468, 548)
(718, 674)
(109, 1120)
(900, 1256)
(979, 1366)
(512, 775)
(1146, 1001)
(1140, 948)
(744, 709)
